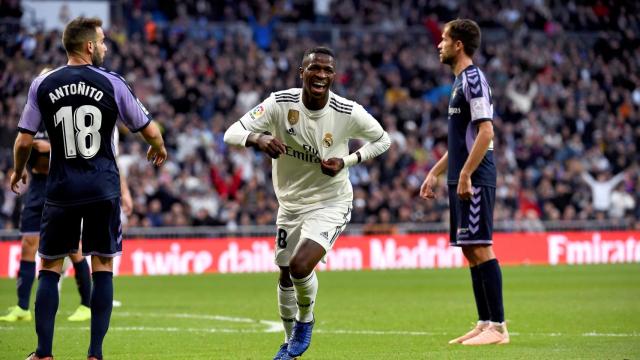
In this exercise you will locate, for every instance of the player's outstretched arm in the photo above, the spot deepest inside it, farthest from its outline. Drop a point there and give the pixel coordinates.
(21, 151)
(430, 182)
(157, 153)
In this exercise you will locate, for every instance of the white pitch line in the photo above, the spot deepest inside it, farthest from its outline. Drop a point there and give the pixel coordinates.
(597, 334)
(272, 326)
(379, 332)
(154, 329)
(322, 331)
(276, 326)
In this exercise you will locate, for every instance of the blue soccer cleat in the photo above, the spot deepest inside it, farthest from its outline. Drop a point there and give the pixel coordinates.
(282, 353)
(300, 338)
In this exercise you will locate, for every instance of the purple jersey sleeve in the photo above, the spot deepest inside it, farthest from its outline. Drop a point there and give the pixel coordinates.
(478, 94)
(31, 117)
(132, 113)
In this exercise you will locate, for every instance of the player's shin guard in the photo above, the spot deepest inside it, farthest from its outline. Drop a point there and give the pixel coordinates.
(46, 308)
(101, 306)
(492, 280)
(306, 290)
(288, 309)
(479, 294)
(26, 276)
(83, 281)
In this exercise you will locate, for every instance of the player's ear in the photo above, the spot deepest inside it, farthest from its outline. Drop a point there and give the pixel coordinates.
(459, 45)
(301, 70)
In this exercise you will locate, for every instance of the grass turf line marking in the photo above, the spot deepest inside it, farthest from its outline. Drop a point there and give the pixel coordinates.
(339, 332)
(272, 326)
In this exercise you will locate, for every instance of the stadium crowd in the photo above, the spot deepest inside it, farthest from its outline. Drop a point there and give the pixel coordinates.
(566, 91)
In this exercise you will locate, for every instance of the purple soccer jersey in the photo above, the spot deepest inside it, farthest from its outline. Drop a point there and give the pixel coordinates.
(470, 104)
(79, 106)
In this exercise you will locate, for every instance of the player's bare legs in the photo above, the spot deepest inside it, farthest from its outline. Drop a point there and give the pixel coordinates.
(304, 260)
(29, 247)
(477, 254)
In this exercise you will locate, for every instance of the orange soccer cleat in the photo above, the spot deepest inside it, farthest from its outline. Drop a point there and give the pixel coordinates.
(493, 334)
(481, 325)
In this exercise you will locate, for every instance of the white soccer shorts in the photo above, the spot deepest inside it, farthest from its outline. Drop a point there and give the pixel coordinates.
(322, 225)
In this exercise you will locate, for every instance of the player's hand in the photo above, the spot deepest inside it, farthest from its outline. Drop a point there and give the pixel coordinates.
(332, 166)
(157, 156)
(15, 179)
(429, 183)
(126, 203)
(270, 145)
(465, 190)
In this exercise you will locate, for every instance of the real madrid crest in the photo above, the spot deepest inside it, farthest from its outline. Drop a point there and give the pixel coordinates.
(328, 140)
(293, 116)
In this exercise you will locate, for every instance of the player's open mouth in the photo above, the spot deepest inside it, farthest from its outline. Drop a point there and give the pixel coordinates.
(318, 86)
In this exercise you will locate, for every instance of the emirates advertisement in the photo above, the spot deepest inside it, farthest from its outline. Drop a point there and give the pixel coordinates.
(374, 252)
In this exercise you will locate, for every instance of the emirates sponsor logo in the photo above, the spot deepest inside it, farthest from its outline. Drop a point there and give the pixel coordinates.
(592, 251)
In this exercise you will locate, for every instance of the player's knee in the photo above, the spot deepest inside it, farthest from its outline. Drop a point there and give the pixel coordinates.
(298, 269)
(478, 254)
(101, 263)
(54, 265)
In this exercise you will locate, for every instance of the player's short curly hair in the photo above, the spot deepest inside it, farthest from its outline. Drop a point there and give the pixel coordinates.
(467, 31)
(78, 32)
(319, 50)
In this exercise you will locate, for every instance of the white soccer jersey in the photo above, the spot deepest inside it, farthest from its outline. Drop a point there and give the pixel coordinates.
(311, 136)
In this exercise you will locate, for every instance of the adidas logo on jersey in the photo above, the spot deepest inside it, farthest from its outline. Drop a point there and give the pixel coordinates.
(291, 132)
(325, 235)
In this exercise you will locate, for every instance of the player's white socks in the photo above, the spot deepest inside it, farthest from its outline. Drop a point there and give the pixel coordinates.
(306, 290)
(288, 309)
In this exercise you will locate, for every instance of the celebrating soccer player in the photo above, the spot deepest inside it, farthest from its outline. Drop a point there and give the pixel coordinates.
(471, 179)
(306, 132)
(79, 104)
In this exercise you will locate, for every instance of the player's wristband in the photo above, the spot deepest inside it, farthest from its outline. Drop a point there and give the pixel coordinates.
(351, 159)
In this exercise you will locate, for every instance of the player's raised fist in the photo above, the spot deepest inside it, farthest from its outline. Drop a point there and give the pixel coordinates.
(332, 166)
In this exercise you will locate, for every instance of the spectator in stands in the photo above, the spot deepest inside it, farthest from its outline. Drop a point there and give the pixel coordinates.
(602, 188)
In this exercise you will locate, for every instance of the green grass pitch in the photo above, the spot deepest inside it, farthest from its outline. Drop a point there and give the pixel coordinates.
(565, 312)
